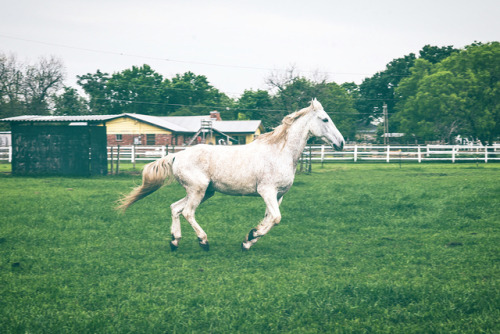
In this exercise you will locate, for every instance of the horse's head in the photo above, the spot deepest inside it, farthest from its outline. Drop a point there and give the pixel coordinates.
(321, 126)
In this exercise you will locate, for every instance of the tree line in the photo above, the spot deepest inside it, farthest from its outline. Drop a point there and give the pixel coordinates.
(434, 95)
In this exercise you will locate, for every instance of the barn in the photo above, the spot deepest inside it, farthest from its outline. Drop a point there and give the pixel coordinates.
(58, 145)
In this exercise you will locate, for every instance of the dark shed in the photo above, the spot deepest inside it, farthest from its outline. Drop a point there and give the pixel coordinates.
(59, 145)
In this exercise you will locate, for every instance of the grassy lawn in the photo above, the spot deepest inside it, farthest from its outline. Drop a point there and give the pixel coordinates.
(362, 248)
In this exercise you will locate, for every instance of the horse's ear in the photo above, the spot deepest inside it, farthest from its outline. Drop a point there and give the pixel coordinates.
(314, 103)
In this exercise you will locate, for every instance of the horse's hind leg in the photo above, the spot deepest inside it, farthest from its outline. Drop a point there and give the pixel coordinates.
(175, 229)
(194, 198)
(177, 208)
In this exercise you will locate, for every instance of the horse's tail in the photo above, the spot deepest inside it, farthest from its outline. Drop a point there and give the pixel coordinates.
(154, 176)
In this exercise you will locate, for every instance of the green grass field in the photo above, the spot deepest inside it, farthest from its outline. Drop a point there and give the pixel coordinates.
(362, 248)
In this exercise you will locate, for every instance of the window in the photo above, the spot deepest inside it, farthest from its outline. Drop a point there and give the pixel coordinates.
(119, 138)
(150, 139)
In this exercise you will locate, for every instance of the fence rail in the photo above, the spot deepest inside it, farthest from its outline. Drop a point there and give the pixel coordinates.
(323, 153)
(352, 153)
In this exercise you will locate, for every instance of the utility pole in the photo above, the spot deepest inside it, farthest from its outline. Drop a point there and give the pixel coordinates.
(386, 124)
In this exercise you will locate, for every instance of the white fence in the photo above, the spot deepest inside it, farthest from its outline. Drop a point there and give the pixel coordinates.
(388, 153)
(351, 153)
(322, 153)
(6, 153)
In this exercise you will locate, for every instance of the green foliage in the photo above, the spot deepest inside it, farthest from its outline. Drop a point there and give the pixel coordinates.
(361, 248)
(458, 95)
(95, 86)
(257, 105)
(295, 92)
(380, 88)
(137, 90)
(142, 90)
(70, 103)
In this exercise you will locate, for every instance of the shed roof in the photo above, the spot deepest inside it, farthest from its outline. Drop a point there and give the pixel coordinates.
(185, 124)
(78, 118)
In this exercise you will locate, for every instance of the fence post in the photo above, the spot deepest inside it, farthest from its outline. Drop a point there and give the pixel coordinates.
(453, 154)
(355, 153)
(163, 151)
(111, 148)
(117, 159)
(10, 153)
(310, 159)
(322, 154)
(486, 154)
(132, 158)
(388, 153)
(419, 154)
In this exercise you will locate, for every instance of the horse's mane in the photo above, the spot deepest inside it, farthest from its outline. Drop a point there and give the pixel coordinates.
(280, 133)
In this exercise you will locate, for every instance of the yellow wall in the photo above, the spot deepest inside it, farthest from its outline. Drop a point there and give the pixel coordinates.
(125, 125)
(250, 138)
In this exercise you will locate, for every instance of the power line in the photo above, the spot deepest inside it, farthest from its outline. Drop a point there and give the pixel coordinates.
(222, 107)
(167, 59)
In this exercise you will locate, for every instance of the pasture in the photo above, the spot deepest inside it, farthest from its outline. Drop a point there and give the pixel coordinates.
(361, 248)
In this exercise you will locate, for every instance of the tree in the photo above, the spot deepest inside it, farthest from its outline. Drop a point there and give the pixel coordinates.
(70, 103)
(41, 81)
(138, 90)
(293, 92)
(195, 92)
(96, 87)
(435, 54)
(339, 104)
(28, 89)
(11, 83)
(459, 95)
(256, 105)
(380, 88)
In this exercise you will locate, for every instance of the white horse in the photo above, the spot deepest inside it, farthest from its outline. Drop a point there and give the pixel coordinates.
(265, 167)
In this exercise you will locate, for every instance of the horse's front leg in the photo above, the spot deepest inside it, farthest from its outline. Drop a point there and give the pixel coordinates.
(272, 217)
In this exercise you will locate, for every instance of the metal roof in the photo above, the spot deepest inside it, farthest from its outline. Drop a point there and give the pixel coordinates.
(236, 126)
(189, 123)
(79, 118)
(186, 124)
(162, 122)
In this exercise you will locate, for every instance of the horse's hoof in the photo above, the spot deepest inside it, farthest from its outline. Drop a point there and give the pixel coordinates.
(205, 246)
(173, 247)
(251, 234)
(243, 248)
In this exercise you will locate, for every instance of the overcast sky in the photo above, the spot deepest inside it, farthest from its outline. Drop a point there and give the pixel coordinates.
(237, 44)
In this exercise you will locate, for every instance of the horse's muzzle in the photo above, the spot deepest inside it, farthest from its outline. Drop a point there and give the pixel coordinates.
(339, 147)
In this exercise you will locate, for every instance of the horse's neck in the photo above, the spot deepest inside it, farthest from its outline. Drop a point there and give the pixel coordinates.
(298, 134)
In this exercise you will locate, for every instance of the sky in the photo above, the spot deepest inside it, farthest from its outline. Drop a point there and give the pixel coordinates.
(237, 45)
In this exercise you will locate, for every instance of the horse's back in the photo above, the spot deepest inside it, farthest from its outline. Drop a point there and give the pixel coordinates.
(228, 169)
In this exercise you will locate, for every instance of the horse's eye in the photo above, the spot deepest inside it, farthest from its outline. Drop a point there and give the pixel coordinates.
(325, 120)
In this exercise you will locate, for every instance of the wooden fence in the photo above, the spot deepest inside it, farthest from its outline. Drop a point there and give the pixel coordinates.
(323, 154)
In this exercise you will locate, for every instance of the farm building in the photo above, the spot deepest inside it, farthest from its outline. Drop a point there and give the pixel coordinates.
(58, 145)
(129, 129)
(76, 145)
